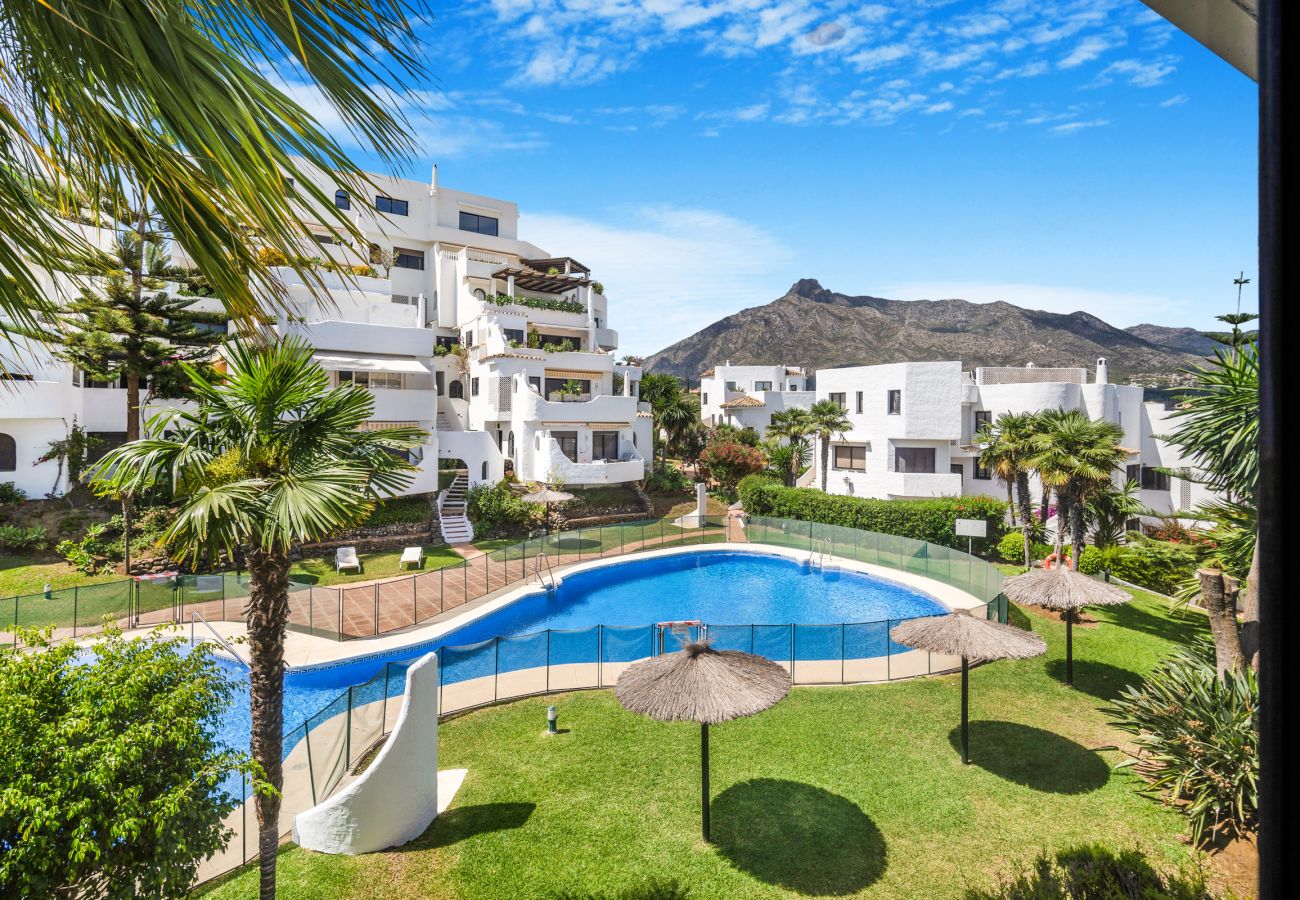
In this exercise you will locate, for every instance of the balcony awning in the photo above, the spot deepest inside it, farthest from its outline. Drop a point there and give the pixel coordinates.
(371, 363)
(532, 280)
(1226, 27)
(573, 373)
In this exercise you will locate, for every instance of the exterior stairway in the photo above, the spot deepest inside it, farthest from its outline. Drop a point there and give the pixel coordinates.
(451, 512)
(444, 424)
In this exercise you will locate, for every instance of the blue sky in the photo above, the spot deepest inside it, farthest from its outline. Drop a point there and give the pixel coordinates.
(701, 156)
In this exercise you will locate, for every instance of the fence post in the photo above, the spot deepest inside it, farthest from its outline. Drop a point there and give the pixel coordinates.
(311, 771)
(347, 736)
(465, 572)
(74, 613)
(340, 590)
(15, 624)
(311, 609)
(600, 656)
(383, 714)
(442, 588)
(415, 601)
(889, 652)
(792, 628)
(496, 665)
(841, 653)
(376, 609)
(548, 660)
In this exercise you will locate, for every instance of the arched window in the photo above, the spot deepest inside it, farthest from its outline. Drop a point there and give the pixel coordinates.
(342, 200)
(456, 390)
(510, 445)
(8, 453)
(480, 294)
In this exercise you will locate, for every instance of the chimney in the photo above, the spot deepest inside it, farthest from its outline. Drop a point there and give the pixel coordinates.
(433, 181)
(1103, 375)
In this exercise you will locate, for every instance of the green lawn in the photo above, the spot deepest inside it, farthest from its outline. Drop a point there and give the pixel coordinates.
(836, 791)
(381, 564)
(20, 575)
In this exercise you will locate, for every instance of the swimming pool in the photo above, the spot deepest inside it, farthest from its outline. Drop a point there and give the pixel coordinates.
(759, 602)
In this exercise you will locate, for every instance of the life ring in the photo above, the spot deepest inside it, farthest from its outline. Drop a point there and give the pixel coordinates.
(1053, 558)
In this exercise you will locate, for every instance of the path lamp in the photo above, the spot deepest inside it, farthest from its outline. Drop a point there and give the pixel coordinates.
(552, 717)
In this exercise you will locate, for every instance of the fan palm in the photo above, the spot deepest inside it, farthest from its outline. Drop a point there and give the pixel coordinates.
(828, 420)
(1077, 457)
(671, 407)
(185, 97)
(794, 426)
(1110, 509)
(271, 456)
(1007, 451)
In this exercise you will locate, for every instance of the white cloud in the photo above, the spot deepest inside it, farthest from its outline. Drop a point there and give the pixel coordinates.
(1176, 100)
(670, 270)
(1139, 73)
(941, 107)
(1118, 308)
(1075, 127)
(1086, 50)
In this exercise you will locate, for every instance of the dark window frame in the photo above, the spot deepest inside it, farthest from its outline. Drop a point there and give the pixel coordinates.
(894, 402)
(403, 259)
(854, 452)
(342, 199)
(392, 206)
(840, 399)
(8, 452)
(476, 223)
(600, 449)
(902, 455)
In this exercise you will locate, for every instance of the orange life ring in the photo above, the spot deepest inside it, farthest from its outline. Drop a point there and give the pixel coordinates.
(1053, 558)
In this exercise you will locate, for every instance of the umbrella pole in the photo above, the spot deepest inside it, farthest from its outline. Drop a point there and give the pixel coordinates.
(965, 707)
(704, 777)
(1069, 647)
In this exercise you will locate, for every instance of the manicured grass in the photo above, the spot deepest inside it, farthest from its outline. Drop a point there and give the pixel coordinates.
(23, 575)
(845, 791)
(380, 564)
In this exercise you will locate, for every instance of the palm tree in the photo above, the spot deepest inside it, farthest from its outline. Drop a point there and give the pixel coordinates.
(1077, 457)
(1110, 508)
(1007, 450)
(187, 98)
(673, 409)
(271, 456)
(828, 420)
(794, 426)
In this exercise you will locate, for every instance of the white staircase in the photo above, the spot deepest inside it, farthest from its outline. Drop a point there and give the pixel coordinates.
(444, 424)
(451, 512)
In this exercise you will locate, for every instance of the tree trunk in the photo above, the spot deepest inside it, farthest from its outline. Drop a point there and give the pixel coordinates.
(267, 615)
(133, 406)
(1077, 529)
(825, 447)
(1250, 613)
(1062, 515)
(1011, 503)
(1218, 593)
(1022, 488)
(1047, 501)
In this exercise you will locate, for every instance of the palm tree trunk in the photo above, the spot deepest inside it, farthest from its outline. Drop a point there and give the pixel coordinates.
(1047, 501)
(1077, 530)
(1250, 613)
(267, 615)
(1022, 488)
(824, 445)
(1062, 514)
(1218, 595)
(1011, 503)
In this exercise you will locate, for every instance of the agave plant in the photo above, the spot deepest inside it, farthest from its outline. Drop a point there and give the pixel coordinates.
(1198, 738)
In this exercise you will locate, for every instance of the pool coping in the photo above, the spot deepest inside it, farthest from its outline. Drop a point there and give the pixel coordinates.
(305, 652)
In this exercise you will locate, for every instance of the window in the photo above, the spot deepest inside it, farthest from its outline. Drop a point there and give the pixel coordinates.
(1133, 473)
(483, 470)
(510, 445)
(731, 386)
(480, 294)
(848, 456)
(762, 385)
(473, 387)
(568, 441)
(983, 473)
(342, 200)
(1154, 479)
(838, 400)
(408, 259)
(389, 380)
(439, 384)
(478, 224)
(894, 404)
(561, 386)
(535, 382)
(323, 239)
(108, 440)
(390, 205)
(604, 445)
(118, 382)
(957, 469)
(8, 453)
(456, 390)
(704, 399)
(914, 459)
(859, 401)
(983, 419)
(513, 334)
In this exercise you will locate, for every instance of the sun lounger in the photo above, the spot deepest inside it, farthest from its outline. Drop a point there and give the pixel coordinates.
(412, 556)
(346, 558)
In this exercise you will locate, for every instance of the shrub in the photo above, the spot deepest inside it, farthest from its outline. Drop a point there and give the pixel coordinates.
(1012, 548)
(1156, 565)
(729, 461)
(1093, 871)
(496, 511)
(18, 540)
(270, 256)
(668, 480)
(923, 520)
(1197, 738)
(413, 510)
(11, 493)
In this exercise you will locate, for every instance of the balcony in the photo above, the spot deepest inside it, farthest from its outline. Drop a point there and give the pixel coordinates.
(410, 405)
(601, 408)
(551, 463)
(922, 484)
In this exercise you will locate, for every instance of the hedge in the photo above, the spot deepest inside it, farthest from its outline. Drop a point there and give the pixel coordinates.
(1160, 566)
(931, 520)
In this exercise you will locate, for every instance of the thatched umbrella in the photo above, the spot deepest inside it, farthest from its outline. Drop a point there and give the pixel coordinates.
(1065, 590)
(547, 495)
(700, 684)
(961, 634)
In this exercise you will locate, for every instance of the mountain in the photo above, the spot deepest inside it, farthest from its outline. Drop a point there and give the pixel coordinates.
(1180, 340)
(820, 329)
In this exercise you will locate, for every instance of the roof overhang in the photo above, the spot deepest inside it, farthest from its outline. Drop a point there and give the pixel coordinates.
(1226, 27)
(350, 362)
(533, 280)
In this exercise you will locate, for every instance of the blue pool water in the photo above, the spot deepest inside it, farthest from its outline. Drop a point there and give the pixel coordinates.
(749, 600)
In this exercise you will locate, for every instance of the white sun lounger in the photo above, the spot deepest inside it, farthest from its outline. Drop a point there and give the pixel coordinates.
(412, 556)
(346, 558)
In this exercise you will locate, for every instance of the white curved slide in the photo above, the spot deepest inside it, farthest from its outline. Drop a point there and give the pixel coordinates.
(397, 798)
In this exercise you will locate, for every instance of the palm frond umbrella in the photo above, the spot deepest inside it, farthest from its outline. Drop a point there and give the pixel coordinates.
(547, 496)
(1067, 591)
(701, 684)
(961, 634)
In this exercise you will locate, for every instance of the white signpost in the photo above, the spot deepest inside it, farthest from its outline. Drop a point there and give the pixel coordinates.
(971, 529)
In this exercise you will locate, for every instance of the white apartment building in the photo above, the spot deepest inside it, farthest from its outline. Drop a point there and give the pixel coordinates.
(536, 389)
(914, 426)
(747, 396)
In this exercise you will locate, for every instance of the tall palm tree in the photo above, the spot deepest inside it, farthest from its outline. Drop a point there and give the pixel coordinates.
(192, 99)
(272, 455)
(672, 408)
(794, 426)
(828, 420)
(1007, 450)
(1077, 457)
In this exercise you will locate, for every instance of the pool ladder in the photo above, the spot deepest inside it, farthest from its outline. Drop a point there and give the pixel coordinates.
(817, 556)
(542, 561)
(196, 617)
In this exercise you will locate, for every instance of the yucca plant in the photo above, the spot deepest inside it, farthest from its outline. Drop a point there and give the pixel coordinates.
(1198, 739)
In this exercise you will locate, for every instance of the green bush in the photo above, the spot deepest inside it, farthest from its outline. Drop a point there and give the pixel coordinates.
(412, 510)
(18, 540)
(669, 481)
(1198, 738)
(1094, 872)
(11, 493)
(1012, 548)
(496, 511)
(923, 520)
(1159, 566)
